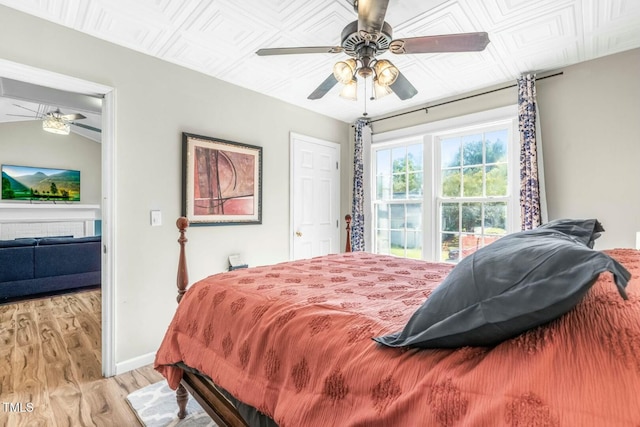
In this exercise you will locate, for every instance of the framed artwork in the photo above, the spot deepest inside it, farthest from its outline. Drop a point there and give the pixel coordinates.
(222, 181)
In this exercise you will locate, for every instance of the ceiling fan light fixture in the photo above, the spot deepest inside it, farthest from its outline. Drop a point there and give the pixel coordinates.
(380, 91)
(350, 90)
(57, 126)
(365, 72)
(343, 71)
(386, 72)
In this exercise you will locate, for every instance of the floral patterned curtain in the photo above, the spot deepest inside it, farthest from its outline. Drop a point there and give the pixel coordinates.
(530, 173)
(357, 214)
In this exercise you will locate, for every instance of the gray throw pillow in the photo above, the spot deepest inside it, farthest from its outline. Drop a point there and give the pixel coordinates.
(521, 281)
(583, 230)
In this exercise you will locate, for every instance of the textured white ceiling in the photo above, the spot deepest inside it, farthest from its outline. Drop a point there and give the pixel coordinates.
(220, 37)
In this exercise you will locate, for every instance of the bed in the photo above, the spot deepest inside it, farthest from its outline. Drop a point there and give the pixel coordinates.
(292, 343)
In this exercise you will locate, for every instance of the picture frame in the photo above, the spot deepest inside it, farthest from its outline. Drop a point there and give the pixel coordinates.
(222, 181)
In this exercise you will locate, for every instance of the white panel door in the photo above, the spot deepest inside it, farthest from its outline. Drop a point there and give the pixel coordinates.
(315, 197)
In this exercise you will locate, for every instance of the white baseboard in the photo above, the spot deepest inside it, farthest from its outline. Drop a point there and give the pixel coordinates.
(135, 363)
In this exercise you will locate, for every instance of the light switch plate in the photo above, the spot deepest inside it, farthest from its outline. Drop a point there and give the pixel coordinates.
(156, 218)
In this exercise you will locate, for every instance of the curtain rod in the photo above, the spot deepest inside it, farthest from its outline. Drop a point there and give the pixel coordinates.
(426, 109)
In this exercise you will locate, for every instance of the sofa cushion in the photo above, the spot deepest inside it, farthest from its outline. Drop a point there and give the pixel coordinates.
(67, 240)
(70, 258)
(39, 237)
(17, 243)
(16, 263)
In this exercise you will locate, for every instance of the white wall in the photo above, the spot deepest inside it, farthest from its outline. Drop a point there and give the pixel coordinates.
(26, 144)
(590, 119)
(156, 102)
(591, 139)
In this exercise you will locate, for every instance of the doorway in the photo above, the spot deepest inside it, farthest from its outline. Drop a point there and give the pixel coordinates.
(40, 77)
(315, 197)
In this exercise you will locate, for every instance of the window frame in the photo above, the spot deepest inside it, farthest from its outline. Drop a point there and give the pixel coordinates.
(429, 134)
(408, 200)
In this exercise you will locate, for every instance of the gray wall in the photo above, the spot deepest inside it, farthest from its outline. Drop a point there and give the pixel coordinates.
(26, 144)
(591, 139)
(155, 102)
(590, 126)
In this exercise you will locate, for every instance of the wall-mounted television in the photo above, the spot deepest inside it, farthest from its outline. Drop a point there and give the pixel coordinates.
(45, 184)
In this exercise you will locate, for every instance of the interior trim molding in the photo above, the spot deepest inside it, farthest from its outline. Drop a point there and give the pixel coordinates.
(135, 363)
(38, 76)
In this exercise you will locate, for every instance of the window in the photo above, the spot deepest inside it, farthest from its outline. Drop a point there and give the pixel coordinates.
(443, 194)
(398, 213)
(473, 196)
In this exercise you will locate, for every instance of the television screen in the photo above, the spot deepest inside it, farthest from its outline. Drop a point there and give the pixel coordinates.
(32, 183)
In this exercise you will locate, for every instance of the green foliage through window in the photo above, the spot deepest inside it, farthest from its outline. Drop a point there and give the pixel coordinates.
(473, 167)
(398, 218)
(472, 197)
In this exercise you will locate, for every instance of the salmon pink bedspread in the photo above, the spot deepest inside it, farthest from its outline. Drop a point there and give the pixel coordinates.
(294, 341)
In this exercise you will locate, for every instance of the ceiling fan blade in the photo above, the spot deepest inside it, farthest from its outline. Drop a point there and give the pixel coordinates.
(22, 115)
(70, 117)
(463, 42)
(28, 109)
(80, 125)
(324, 87)
(371, 15)
(298, 50)
(403, 88)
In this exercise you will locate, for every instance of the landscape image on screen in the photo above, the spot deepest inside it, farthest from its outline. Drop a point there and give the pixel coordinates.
(33, 183)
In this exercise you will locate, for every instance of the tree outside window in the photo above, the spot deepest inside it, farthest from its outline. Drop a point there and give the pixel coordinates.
(398, 212)
(442, 196)
(473, 192)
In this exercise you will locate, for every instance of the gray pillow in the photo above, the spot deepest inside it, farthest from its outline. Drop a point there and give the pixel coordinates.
(521, 281)
(583, 230)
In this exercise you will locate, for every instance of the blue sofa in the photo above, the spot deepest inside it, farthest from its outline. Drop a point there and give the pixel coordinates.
(30, 267)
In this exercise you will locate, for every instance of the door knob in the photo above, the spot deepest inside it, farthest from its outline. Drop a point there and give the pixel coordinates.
(299, 234)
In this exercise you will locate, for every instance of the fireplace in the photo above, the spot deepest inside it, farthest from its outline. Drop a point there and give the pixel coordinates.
(18, 220)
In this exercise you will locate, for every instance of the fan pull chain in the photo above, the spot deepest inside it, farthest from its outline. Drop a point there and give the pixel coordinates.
(365, 98)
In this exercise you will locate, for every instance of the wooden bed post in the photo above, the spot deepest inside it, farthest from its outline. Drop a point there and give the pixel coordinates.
(183, 276)
(348, 246)
(182, 396)
(223, 412)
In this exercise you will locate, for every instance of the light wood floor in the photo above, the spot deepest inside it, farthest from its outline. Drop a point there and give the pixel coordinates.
(50, 366)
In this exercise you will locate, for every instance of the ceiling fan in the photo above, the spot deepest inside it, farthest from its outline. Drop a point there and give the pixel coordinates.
(56, 122)
(369, 37)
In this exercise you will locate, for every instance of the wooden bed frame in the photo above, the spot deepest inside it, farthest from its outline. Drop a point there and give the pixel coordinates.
(215, 404)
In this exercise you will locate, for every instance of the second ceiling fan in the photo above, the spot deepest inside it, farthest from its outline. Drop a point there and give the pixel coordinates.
(55, 121)
(369, 37)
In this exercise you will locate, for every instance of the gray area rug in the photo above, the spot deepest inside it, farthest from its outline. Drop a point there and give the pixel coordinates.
(155, 405)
